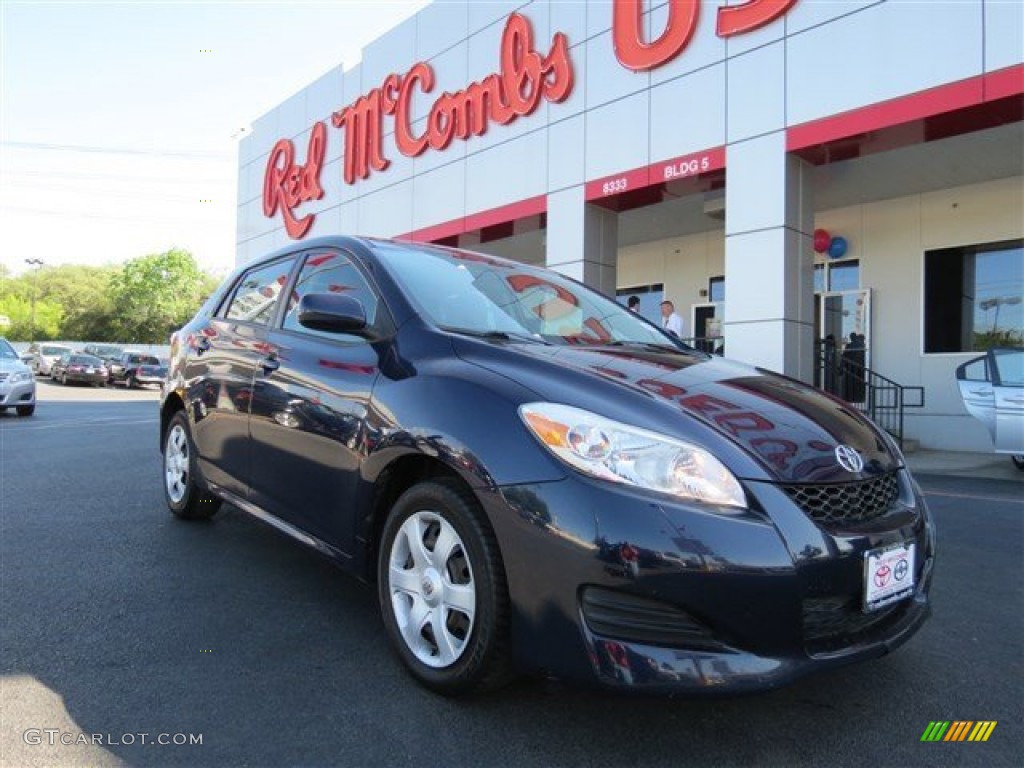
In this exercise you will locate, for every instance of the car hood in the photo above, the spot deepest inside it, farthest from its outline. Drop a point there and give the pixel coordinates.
(789, 429)
(13, 366)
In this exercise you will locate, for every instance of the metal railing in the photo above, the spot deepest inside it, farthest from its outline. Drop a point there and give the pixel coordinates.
(883, 400)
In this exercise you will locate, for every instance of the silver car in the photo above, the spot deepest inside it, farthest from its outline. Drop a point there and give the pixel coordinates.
(17, 384)
(44, 356)
(992, 388)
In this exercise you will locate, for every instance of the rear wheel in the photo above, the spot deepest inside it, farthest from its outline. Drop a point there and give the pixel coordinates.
(131, 382)
(1018, 461)
(442, 589)
(26, 410)
(184, 497)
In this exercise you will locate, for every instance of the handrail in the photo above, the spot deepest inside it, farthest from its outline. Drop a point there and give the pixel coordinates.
(876, 396)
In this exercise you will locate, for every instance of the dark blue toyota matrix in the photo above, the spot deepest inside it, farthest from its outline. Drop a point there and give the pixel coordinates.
(538, 479)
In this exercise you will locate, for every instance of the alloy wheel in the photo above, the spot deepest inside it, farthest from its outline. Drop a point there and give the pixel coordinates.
(433, 593)
(176, 463)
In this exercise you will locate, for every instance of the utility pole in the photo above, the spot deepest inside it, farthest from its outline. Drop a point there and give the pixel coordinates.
(37, 263)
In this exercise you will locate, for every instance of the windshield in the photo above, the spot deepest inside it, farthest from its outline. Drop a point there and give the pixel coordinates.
(7, 351)
(54, 351)
(474, 293)
(86, 360)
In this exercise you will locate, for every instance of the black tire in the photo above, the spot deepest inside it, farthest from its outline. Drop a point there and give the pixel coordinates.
(26, 410)
(131, 382)
(194, 503)
(1018, 461)
(484, 660)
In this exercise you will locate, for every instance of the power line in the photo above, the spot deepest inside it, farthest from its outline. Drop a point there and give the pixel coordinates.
(114, 150)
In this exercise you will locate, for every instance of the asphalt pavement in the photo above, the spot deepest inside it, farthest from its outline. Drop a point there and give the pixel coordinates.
(119, 621)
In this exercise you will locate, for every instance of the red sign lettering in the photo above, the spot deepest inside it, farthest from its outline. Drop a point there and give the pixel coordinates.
(635, 53)
(628, 38)
(287, 184)
(516, 90)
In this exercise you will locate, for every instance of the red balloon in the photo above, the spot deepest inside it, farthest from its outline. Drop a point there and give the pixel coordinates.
(822, 239)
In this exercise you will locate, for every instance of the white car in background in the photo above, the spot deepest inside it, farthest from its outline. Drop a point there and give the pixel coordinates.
(17, 384)
(992, 388)
(44, 356)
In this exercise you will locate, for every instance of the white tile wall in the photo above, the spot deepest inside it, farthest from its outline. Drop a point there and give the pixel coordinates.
(756, 177)
(507, 173)
(894, 49)
(439, 196)
(704, 49)
(483, 13)
(570, 17)
(617, 136)
(748, 41)
(566, 162)
(812, 13)
(756, 92)
(688, 113)
(450, 74)
(606, 79)
(394, 52)
(388, 212)
(325, 96)
(440, 26)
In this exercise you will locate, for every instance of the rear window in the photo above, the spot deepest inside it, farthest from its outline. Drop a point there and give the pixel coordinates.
(86, 360)
(54, 350)
(147, 360)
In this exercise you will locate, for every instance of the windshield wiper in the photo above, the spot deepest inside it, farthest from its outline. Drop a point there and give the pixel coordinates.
(646, 344)
(497, 335)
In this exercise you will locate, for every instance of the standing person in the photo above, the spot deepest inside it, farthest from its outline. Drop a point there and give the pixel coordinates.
(633, 303)
(670, 321)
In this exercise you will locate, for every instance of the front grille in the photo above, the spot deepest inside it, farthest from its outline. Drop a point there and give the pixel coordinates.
(832, 623)
(630, 618)
(855, 502)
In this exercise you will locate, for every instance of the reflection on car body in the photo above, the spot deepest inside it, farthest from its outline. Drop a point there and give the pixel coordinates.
(536, 478)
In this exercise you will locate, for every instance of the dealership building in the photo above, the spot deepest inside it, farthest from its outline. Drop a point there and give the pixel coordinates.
(786, 172)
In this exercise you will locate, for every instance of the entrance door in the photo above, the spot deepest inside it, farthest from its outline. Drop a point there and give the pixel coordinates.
(840, 313)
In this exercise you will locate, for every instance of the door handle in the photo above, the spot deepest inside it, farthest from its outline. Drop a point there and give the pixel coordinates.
(982, 392)
(269, 364)
(1014, 399)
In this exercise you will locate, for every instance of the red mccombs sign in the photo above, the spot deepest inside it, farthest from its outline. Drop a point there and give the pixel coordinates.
(525, 77)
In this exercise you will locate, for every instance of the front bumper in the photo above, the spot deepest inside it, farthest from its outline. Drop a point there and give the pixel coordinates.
(87, 378)
(700, 602)
(21, 393)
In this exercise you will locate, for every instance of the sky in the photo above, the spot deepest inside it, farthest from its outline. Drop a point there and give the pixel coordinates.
(119, 122)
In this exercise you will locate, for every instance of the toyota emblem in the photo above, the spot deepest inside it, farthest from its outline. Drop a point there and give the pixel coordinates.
(849, 459)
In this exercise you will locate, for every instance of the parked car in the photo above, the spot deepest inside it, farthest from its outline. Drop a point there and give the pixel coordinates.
(106, 352)
(136, 369)
(44, 356)
(537, 478)
(992, 388)
(17, 383)
(79, 368)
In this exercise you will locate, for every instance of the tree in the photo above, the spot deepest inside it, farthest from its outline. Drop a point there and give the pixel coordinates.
(155, 295)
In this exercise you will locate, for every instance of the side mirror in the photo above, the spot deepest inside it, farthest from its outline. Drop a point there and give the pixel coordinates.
(332, 312)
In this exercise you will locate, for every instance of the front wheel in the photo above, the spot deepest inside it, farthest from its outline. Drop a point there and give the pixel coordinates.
(442, 589)
(1018, 461)
(26, 410)
(184, 497)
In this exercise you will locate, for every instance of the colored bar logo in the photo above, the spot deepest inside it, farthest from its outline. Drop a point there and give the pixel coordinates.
(959, 730)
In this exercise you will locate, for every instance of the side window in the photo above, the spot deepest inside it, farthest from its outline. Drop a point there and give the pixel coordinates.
(330, 273)
(255, 297)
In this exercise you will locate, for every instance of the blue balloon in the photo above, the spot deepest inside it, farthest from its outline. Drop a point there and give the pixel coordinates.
(837, 248)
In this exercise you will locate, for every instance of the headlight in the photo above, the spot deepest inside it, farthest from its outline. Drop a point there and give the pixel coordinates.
(621, 453)
(21, 376)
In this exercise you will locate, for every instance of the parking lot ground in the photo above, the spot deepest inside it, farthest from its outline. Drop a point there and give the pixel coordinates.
(118, 621)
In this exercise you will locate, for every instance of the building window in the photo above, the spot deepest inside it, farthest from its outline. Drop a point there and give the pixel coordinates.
(837, 276)
(716, 289)
(972, 297)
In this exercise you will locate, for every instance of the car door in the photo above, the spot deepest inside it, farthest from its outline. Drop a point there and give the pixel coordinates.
(222, 358)
(310, 406)
(1007, 366)
(975, 383)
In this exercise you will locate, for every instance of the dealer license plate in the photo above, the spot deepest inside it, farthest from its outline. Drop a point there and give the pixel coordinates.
(888, 575)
